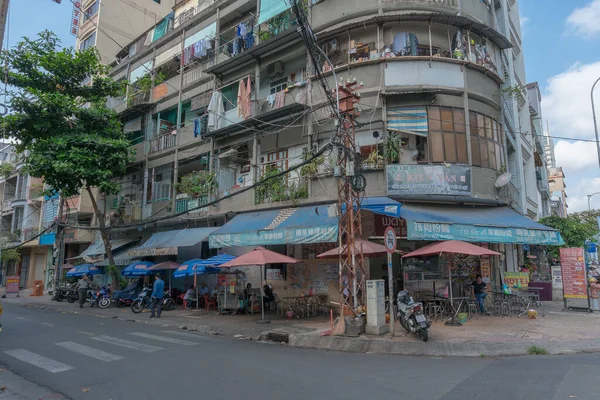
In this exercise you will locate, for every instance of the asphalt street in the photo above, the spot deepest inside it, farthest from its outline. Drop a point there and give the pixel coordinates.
(49, 355)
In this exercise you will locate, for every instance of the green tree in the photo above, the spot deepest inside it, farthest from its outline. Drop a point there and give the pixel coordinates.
(575, 229)
(75, 142)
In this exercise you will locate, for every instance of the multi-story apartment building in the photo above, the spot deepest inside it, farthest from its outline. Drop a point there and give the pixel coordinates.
(109, 25)
(534, 97)
(228, 97)
(558, 188)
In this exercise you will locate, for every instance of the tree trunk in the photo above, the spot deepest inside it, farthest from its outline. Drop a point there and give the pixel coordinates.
(104, 233)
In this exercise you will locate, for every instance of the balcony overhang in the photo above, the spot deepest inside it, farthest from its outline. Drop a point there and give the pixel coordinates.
(454, 20)
(288, 37)
(282, 116)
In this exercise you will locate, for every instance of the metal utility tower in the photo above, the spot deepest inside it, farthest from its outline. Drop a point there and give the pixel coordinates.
(350, 184)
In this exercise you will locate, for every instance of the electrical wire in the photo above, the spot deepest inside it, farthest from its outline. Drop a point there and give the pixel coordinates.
(211, 203)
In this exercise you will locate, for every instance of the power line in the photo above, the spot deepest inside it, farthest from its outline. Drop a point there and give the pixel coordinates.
(211, 203)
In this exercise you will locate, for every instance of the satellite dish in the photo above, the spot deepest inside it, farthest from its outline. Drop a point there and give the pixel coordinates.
(503, 180)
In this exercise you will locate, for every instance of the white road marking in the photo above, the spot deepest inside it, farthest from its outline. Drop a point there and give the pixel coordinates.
(21, 318)
(127, 343)
(46, 323)
(89, 351)
(39, 361)
(163, 338)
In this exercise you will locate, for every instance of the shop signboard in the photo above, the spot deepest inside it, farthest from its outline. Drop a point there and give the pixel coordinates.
(12, 284)
(476, 233)
(428, 179)
(315, 234)
(382, 222)
(514, 279)
(573, 273)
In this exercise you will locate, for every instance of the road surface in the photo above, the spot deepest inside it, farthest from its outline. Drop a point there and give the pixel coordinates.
(68, 356)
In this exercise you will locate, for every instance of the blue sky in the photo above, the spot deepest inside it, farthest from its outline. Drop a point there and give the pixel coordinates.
(562, 52)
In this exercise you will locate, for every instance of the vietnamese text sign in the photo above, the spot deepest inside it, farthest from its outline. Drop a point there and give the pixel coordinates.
(428, 179)
(556, 277)
(513, 279)
(573, 273)
(12, 284)
(274, 274)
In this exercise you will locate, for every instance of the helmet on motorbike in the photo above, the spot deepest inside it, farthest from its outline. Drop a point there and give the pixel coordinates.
(403, 296)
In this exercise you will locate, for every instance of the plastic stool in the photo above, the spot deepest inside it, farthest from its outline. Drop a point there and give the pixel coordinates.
(472, 309)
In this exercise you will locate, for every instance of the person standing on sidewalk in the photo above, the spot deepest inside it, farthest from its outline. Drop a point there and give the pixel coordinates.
(157, 297)
(82, 287)
(480, 293)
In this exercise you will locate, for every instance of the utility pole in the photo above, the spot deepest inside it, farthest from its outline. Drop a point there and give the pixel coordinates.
(3, 18)
(59, 244)
(350, 185)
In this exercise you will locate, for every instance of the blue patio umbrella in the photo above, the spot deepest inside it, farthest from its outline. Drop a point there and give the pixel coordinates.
(194, 268)
(217, 260)
(84, 269)
(140, 268)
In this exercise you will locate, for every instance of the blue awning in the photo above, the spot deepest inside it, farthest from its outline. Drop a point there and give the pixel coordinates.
(286, 226)
(475, 224)
(168, 243)
(380, 205)
(408, 119)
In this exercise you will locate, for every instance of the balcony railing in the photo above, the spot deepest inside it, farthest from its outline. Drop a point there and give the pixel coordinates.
(192, 203)
(195, 74)
(163, 141)
(236, 40)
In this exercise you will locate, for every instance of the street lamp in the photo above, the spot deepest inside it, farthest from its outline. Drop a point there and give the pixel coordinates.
(594, 115)
(589, 196)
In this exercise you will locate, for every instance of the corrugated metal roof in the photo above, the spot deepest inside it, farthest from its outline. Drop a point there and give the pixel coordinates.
(167, 243)
(97, 248)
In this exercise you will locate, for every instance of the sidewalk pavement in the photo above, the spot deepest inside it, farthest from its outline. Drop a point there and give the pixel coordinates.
(559, 332)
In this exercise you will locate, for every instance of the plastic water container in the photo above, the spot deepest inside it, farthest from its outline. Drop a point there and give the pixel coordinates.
(462, 317)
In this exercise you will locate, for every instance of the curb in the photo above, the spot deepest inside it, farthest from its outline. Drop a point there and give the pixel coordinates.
(368, 345)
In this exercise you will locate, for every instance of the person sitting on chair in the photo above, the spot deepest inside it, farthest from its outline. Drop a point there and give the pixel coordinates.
(269, 296)
(190, 297)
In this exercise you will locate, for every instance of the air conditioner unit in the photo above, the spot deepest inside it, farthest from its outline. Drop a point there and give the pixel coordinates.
(275, 69)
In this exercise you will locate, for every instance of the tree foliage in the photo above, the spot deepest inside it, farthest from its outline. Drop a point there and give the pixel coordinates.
(575, 229)
(74, 139)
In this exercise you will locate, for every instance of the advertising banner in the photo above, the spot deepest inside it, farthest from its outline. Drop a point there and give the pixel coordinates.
(12, 284)
(573, 273)
(512, 279)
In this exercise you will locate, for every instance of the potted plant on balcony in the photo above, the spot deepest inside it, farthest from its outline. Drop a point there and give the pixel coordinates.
(393, 148)
(274, 189)
(198, 184)
(374, 161)
(312, 168)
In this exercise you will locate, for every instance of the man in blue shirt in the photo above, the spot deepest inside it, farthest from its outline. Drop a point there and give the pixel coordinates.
(157, 297)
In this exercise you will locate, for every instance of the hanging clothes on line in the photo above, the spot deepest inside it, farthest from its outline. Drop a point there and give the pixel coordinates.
(240, 98)
(188, 54)
(279, 99)
(216, 111)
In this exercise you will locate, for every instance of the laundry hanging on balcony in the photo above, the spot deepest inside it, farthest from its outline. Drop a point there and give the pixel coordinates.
(216, 111)
(244, 96)
(163, 27)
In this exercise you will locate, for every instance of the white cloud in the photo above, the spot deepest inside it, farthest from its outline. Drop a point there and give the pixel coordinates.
(524, 21)
(584, 20)
(577, 194)
(566, 101)
(566, 104)
(576, 156)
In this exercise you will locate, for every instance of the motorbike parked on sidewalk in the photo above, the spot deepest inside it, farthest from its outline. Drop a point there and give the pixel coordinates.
(168, 302)
(144, 300)
(62, 293)
(411, 317)
(100, 297)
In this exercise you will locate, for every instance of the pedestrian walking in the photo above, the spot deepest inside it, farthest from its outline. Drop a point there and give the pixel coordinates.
(82, 287)
(157, 297)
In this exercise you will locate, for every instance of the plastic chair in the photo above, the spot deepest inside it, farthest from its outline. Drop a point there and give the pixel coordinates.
(209, 303)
